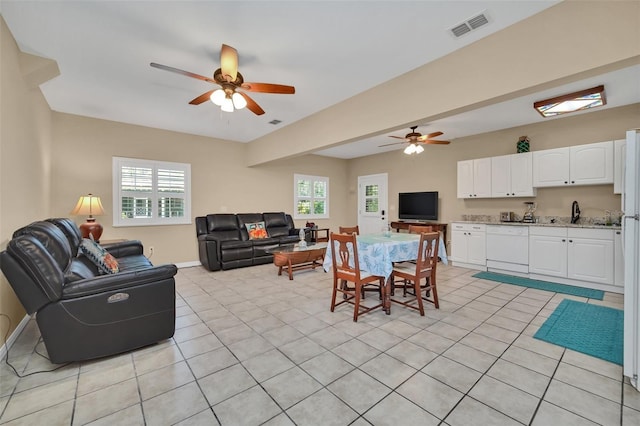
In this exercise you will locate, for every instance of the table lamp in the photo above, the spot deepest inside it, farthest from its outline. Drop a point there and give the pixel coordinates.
(89, 205)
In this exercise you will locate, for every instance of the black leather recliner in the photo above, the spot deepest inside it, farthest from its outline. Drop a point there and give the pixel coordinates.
(81, 313)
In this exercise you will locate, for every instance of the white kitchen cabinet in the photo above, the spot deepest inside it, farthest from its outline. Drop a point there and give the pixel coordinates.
(619, 155)
(468, 245)
(618, 260)
(474, 178)
(574, 253)
(590, 255)
(512, 175)
(548, 251)
(590, 164)
(551, 167)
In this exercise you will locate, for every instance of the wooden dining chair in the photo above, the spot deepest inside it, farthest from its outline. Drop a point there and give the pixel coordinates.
(425, 268)
(344, 253)
(413, 229)
(349, 230)
(419, 229)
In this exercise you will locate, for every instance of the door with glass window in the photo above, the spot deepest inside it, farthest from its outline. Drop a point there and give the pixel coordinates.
(372, 203)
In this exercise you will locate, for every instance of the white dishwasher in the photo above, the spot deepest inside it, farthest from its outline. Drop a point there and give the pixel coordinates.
(508, 248)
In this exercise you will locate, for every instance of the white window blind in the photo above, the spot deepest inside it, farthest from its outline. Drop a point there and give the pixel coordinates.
(149, 192)
(310, 197)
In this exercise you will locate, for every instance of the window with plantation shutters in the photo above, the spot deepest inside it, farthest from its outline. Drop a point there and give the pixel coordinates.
(149, 192)
(310, 197)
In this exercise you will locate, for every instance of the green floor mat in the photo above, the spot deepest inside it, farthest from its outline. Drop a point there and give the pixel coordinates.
(591, 329)
(542, 285)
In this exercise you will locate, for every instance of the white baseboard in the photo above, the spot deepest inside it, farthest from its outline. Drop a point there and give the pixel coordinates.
(188, 264)
(11, 340)
(468, 265)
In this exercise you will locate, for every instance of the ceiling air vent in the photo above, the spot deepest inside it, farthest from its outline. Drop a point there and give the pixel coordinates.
(460, 30)
(274, 122)
(470, 25)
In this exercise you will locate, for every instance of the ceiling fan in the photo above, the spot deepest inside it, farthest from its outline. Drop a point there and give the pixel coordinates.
(415, 139)
(230, 80)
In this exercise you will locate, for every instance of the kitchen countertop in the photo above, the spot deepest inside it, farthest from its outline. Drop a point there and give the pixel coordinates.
(557, 224)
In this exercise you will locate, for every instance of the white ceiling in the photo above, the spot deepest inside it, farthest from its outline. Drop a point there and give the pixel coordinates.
(328, 50)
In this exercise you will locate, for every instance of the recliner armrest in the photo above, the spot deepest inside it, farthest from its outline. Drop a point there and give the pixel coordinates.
(121, 280)
(215, 238)
(125, 248)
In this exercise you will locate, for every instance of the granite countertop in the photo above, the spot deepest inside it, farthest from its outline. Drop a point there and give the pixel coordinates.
(559, 225)
(590, 223)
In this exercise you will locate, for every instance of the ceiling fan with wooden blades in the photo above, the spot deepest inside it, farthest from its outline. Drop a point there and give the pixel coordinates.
(415, 141)
(417, 138)
(228, 96)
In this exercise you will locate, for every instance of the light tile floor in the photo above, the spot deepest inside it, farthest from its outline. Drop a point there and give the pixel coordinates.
(254, 348)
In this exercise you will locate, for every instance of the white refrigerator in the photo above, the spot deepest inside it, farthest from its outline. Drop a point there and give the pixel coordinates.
(631, 247)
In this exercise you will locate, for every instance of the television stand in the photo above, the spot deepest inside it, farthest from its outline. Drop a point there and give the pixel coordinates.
(404, 224)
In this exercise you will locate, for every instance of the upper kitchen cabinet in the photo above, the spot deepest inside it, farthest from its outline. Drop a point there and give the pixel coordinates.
(590, 164)
(474, 178)
(619, 155)
(512, 176)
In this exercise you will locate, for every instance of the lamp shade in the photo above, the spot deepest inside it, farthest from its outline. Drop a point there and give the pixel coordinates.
(238, 100)
(227, 105)
(217, 97)
(89, 205)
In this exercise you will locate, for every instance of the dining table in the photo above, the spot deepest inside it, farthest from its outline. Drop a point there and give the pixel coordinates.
(378, 252)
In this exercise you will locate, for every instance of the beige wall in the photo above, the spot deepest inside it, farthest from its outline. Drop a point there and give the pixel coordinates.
(25, 146)
(220, 181)
(436, 168)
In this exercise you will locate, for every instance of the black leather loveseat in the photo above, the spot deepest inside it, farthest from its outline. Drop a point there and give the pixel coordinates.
(83, 313)
(224, 243)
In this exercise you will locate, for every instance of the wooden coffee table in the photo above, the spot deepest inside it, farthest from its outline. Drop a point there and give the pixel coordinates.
(293, 258)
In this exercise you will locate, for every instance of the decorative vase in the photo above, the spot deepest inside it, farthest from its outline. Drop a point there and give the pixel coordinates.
(523, 144)
(303, 241)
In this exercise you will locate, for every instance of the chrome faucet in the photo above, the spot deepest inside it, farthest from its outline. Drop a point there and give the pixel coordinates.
(575, 212)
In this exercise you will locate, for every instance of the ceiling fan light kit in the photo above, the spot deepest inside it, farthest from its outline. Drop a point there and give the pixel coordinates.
(413, 149)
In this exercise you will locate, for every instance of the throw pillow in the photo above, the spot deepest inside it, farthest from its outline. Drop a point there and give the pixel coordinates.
(105, 262)
(256, 230)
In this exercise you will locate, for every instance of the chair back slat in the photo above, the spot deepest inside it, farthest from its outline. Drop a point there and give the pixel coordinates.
(349, 229)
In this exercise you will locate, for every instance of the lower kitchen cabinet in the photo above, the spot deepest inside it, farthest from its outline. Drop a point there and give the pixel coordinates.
(590, 255)
(548, 251)
(468, 245)
(574, 253)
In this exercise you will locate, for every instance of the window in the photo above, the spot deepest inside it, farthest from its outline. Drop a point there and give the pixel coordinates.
(149, 192)
(371, 196)
(310, 197)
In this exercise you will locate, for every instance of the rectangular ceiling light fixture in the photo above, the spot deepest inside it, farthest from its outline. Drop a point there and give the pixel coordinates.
(577, 101)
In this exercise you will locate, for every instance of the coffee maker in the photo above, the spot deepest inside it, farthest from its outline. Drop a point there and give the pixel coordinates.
(528, 217)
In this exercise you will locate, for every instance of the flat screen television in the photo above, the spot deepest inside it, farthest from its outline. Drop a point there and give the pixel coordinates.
(418, 205)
